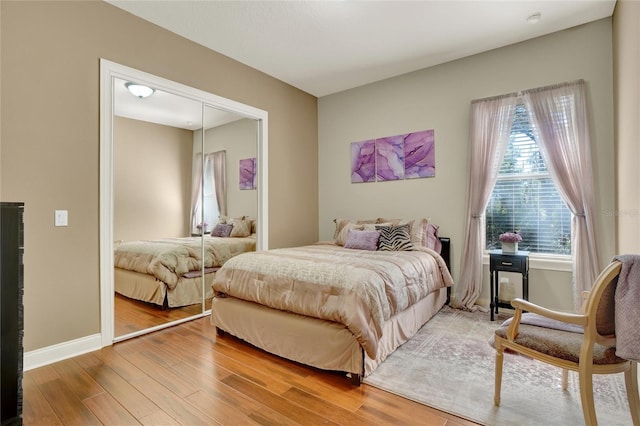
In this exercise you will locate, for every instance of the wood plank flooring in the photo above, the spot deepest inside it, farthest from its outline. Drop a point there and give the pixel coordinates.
(133, 315)
(186, 375)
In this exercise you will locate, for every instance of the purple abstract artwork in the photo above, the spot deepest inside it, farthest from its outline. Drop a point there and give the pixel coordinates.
(390, 158)
(248, 173)
(363, 161)
(407, 156)
(419, 155)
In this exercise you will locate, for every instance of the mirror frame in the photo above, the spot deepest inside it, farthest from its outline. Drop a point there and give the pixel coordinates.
(108, 71)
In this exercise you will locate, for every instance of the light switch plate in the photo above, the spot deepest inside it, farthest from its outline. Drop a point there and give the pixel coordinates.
(61, 218)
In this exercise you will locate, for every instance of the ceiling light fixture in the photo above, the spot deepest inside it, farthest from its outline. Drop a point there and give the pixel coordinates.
(534, 19)
(139, 90)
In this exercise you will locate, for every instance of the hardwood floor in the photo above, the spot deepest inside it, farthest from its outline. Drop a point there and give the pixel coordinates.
(133, 315)
(186, 375)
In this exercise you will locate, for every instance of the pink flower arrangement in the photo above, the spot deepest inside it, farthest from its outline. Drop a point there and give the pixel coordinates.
(510, 237)
(202, 225)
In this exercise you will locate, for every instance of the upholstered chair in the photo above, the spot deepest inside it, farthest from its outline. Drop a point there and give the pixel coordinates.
(585, 342)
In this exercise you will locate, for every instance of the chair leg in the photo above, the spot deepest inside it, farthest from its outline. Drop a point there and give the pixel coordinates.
(565, 379)
(586, 394)
(631, 382)
(498, 377)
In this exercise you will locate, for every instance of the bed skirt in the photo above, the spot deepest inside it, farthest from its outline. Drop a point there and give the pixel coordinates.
(145, 287)
(319, 343)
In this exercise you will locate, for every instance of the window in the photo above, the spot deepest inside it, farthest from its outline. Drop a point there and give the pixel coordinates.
(211, 211)
(207, 198)
(525, 198)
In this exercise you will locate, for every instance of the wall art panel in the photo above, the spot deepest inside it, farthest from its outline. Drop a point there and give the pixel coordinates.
(419, 155)
(363, 161)
(248, 173)
(390, 158)
(407, 156)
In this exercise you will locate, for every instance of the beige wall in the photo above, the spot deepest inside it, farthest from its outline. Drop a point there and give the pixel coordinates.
(1, 197)
(626, 60)
(238, 139)
(439, 98)
(50, 143)
(152, 180)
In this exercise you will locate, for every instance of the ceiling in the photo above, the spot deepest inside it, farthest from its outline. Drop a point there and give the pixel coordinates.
(324, 47)
(168, 109)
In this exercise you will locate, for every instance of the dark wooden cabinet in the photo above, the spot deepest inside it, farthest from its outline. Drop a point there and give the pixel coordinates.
(11, 312)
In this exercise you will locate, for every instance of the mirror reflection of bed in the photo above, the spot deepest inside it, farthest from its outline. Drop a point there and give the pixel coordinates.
(168, 199)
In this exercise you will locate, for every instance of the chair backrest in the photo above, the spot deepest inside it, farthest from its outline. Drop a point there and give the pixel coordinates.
(601, 302)
(605, 314)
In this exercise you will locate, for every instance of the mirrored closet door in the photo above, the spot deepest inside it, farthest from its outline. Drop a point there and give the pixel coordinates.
(226, 208)
(180, 168)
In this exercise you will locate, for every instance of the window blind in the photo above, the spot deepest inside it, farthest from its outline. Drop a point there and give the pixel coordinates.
(525, 199)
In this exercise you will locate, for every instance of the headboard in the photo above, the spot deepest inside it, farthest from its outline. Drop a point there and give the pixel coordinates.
(445, 252)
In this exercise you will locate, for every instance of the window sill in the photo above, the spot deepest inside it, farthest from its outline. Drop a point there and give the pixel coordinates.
(542, 261)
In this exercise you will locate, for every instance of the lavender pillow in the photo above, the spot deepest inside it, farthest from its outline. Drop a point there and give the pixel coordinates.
(362, 240)
(222, 230)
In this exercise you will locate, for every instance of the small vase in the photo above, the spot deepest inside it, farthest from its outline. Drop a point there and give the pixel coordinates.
(510, 248)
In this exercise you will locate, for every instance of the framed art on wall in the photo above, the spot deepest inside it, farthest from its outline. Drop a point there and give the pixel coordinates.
(248, 173)
(407, 156)
(363, 161)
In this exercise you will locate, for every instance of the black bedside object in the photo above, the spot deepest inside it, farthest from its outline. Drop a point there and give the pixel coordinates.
(507, 262)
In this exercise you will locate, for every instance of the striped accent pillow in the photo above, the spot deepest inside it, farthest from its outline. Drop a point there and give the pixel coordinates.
(394, 238)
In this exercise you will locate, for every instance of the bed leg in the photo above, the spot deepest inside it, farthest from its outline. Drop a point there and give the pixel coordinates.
(165, 302)
(220, 332)
(356, 379)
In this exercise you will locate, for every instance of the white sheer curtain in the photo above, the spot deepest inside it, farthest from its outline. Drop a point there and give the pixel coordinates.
(220, 176)
(559, 115)
(208, 190)
(196, 179)
(491, 121)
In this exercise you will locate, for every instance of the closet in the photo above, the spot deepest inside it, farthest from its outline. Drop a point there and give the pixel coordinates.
(152, 149)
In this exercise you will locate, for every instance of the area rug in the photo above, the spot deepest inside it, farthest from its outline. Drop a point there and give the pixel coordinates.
(449, 365)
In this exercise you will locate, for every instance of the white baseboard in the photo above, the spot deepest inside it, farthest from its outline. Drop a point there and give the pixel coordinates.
(51, 354)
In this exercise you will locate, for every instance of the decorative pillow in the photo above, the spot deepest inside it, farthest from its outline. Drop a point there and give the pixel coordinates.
(394, 238)
(227, 219)
(372, 226)
(382, 220)
(341, 239)
(432, 241)
(222, 230)
(341, 223)
(366, 221)
(362, 240)
(418, 231)
(417, 228)
(241, 227)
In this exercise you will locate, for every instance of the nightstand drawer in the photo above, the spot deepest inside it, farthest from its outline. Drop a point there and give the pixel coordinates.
(508, 263)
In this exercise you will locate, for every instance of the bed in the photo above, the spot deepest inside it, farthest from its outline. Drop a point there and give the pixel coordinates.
(168, 272)
(330, 305)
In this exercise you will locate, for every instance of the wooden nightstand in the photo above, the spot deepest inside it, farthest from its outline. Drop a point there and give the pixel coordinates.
(507, 262)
